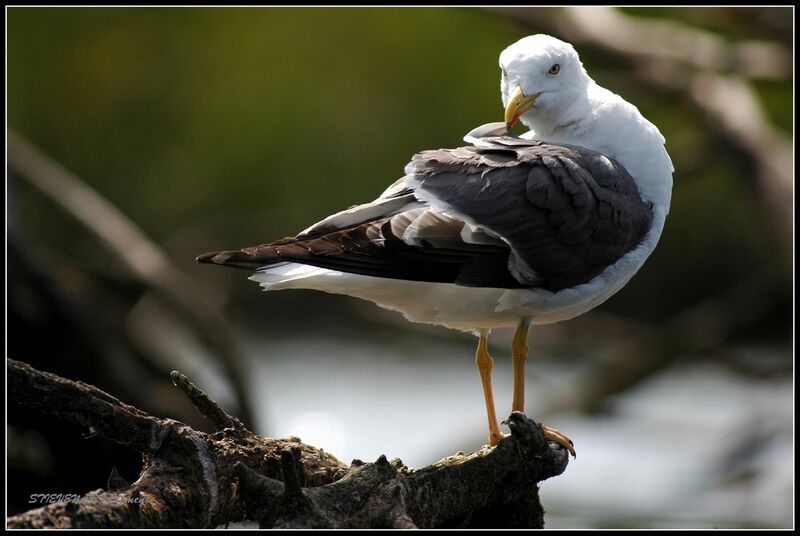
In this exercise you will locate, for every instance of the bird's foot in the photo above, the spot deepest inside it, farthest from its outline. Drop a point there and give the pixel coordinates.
(495, 437)
(551, 434)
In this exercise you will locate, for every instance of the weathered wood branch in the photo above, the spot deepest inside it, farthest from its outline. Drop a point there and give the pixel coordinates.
(198, 480)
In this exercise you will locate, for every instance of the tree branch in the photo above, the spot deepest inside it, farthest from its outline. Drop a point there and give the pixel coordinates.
(85, 405)
(208, 407)
(198, 480)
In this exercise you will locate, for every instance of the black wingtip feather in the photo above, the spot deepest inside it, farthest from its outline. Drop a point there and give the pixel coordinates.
(207, 258)
(235, 259)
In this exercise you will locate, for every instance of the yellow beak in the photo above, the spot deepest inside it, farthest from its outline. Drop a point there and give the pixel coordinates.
(518, 105)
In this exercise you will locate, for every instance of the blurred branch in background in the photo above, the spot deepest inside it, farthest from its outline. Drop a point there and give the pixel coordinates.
(697, 330)
(713, 72)
(145, 260)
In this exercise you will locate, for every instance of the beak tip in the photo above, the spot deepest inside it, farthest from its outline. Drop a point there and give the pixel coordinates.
(518, 104)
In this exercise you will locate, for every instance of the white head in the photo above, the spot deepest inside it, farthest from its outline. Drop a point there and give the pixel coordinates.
(541, 77)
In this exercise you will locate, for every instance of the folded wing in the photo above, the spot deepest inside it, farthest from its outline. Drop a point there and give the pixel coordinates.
(509, 214)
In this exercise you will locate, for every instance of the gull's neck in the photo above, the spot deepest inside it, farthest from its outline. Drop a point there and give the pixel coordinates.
(570, 122)
(602, 121)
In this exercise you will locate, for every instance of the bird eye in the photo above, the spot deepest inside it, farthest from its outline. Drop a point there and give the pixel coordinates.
(503, 72)
(554, 69)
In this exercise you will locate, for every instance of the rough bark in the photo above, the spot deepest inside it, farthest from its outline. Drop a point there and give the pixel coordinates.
(191, 479)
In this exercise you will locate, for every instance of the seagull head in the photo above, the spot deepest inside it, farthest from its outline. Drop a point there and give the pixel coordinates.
(541, 77)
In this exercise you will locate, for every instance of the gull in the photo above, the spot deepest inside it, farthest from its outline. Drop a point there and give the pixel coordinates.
(504, 232)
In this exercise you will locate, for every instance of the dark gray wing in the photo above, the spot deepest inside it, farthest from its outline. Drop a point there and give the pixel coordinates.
(566, 212)
(416, 244)
(516, 214)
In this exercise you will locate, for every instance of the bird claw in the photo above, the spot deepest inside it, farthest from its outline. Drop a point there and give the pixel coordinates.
(521, 428)
(551, 434)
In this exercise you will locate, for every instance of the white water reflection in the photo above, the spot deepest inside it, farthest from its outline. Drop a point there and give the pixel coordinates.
(385, 401)
(315, 428)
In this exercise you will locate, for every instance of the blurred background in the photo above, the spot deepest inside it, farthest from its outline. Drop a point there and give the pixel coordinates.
(139, 138)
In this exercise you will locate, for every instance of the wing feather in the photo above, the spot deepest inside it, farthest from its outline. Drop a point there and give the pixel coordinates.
(511, 213)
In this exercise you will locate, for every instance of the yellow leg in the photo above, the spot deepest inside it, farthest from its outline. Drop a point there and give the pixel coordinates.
(485, 363)
(519, 354)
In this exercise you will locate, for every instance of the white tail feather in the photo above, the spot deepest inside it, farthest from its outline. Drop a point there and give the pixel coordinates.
(285, 275)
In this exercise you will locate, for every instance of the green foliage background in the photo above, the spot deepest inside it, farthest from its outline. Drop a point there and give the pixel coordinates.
(215, 128)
